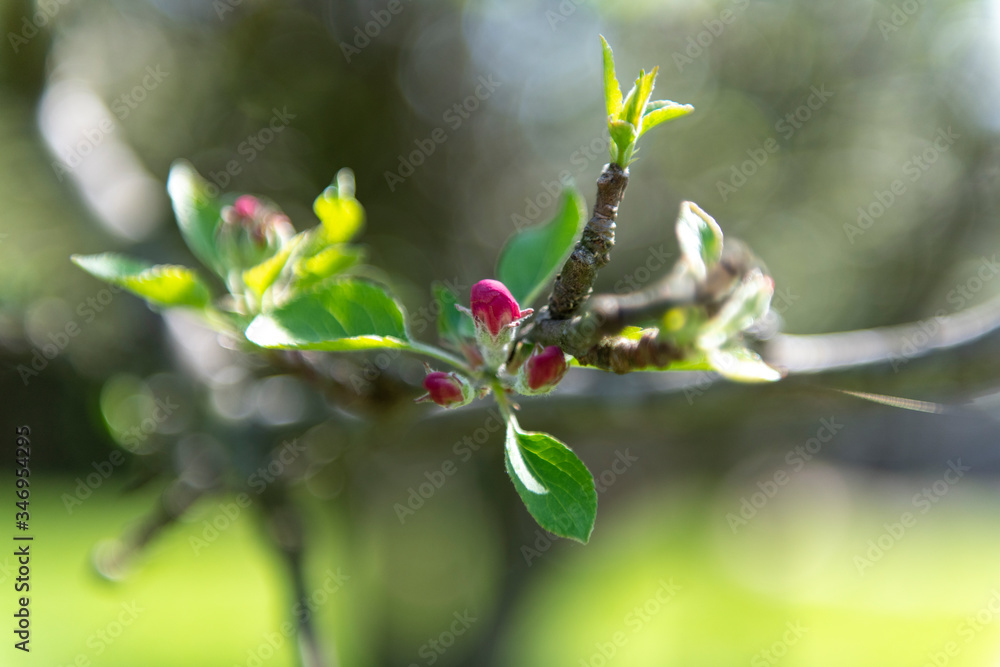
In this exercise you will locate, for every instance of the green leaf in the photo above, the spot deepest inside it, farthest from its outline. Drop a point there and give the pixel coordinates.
(700, 239)
(165, 285)
(453, 325)
(341, 214)
(330, 261)
(749, 302)
(198, 213)
(341, 314)
(740, 364)
(662, 111)
(262, 276)
(635, 103)
(555, 486)
(612, 91)
(533, 256)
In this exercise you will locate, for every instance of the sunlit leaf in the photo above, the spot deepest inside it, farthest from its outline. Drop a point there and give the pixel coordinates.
(612, 91)
(662, 111)
(554, 484)
(340, 314)
(328, 262)
(741, 365)
(699, 237)
(165, 285)
(341, 214)
(198, 213)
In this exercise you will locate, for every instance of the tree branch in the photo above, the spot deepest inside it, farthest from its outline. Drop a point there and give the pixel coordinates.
(592, 251)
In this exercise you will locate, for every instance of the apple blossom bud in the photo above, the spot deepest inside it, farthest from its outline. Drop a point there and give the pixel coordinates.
(449, 390)
(493, 306)
(496, 315)
(246, 206)
(542, 371)
(251, 232)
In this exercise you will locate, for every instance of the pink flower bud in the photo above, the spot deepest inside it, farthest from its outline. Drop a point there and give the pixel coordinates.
(493, 306)
(446, 389)
(246, 206)
(543, 370)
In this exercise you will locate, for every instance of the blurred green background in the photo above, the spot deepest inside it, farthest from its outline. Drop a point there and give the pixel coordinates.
(813, 140)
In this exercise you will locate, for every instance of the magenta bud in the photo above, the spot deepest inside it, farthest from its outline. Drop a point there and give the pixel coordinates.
(446, 389)
(493, 306)
(543, 370)
(246, 206)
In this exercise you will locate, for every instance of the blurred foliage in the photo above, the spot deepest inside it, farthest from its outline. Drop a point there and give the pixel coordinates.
(223, 80)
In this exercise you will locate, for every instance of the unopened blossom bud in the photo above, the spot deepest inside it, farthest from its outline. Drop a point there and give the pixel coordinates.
(542, 371)
(449, 390)
(493, 306)
(496, 315)
(251, 232)
(246, 206)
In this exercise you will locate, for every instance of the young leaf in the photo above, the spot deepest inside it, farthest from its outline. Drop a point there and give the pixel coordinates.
(452, 324)
(341, 214)
(748, 303)
(262, 276)
(198, 213)
(612, 91)
(330, 261)
(165, 285)
(635, 103)
(699, 237)
(341, 314)
(740, 364)
(661, 112)
(555, 486)
(533, 256)
(623, 136)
